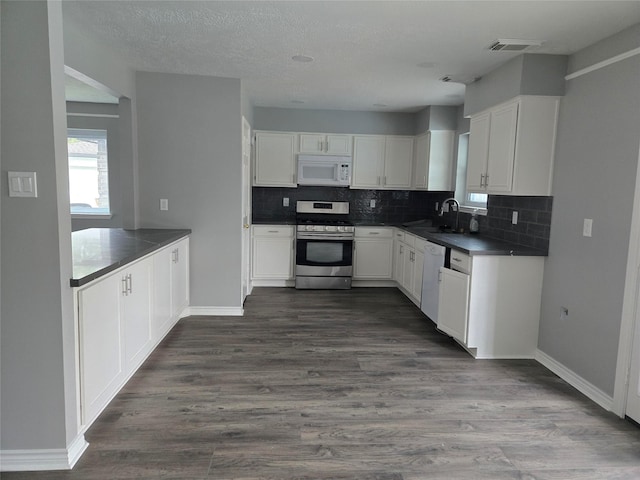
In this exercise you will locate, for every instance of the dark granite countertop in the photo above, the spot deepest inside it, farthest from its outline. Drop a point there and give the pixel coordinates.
(471, 244)
(98, 251)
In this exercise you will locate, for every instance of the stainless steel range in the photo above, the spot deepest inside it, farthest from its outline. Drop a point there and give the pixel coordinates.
(324, 245)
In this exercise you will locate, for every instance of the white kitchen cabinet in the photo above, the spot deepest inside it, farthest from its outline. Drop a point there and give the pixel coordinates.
(511, 147)
(433, 164)
(492, 306)
(398, 160)
(272, 256)
(453, 304)
(382, 162)
(114, 333)
(136, 313)
(275, 161)
(101, 351)
(171, 286)
(121, 317)
(331, 144)
(368, 161)
(373, 253)
(408, 264)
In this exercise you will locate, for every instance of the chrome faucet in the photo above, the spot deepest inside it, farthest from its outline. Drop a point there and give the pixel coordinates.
(455, 202)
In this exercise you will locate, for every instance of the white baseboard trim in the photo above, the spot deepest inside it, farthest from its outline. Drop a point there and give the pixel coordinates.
(576, 381)
(43, 459)
(373, 283)
(214, 311)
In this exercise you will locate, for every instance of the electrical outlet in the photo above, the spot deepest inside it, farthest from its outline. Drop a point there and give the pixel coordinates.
(164, 204)
(437, 206)
(285, 201)
(587, 226)
(372, 203)
(514, 218)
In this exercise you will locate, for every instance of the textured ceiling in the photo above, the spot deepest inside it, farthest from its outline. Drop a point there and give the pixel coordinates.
(365, 53)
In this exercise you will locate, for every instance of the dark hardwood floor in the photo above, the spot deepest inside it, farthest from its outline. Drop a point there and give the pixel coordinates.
(344, 385)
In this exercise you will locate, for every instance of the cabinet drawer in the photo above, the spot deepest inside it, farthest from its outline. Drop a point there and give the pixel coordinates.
(273, 230)
(460, 261)
(420, 244)
(374, 232)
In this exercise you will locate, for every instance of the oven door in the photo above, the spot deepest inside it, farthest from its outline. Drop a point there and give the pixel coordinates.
(324, 257)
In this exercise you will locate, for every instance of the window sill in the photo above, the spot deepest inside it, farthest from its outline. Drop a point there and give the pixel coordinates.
(479, 210)
(91, 216)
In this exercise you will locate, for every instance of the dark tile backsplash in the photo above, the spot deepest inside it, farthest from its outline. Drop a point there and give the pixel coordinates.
(399, 206)
(392, 206)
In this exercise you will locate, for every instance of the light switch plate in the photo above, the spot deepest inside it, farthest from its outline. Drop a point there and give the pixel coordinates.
(285, 201)
(514, 218)
(23, 184)
(164, 204)
(372, 203)
(587, 225)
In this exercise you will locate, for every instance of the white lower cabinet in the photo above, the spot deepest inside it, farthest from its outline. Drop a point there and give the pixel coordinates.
(171, 282)
(492, 307)
(409, 264)
(122, 317)
(373, 253)
(272, 254)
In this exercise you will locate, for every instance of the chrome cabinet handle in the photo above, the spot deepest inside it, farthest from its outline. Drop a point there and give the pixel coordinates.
(486, 180)
(456, 259)
(482, 180)
(124, 285)
(374, 233)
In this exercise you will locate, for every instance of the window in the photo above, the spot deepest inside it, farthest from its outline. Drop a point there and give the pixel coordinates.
(88, 172)
(466, 199)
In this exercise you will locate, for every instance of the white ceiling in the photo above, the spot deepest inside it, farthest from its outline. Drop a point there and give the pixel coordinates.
(365, 52)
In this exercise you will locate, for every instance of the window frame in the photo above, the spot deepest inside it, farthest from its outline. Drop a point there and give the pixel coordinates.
(460, 179)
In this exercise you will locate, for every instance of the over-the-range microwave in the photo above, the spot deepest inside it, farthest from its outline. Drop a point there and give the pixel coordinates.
(331, 170)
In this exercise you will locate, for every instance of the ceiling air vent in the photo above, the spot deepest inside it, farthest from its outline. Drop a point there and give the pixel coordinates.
(513, 45)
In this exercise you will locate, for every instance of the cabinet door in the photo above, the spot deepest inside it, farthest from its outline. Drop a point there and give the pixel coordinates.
(440, 164)
(478, 152)
(502, 146)
(421, 169)
(453, 304)
(338, 144)
(272, 257)
(180, 277)
(275, 160)
(101, 348)
(373, 259)
(136, 313)
(397, 162)
(162, 310)
(399, 250)
(408, 268)
(368, 161)
(312, 143)
(418, 271)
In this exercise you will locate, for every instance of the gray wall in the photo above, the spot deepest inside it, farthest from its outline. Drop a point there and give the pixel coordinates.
(526, 74)
(333, 121)
(609, 47)
(37, 403)
(190, 151)
(103, 117)
(594, 175)
(436, 117)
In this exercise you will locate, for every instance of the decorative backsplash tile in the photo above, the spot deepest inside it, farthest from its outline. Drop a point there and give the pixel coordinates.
(400, 206)
(392, 206)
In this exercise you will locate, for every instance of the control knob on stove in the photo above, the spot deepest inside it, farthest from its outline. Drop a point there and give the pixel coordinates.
(341, 229)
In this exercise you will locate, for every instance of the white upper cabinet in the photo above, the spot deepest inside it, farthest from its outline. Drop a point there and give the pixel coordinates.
(397, 162)
(330, 144)
(511, 147)
(433, 167)
(382, 162)
(275, 160)
(368, 161)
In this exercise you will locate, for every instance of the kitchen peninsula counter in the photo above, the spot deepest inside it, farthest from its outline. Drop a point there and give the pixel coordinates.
(98, 251)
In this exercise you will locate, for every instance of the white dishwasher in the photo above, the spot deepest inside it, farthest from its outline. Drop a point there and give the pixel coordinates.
(433, 260)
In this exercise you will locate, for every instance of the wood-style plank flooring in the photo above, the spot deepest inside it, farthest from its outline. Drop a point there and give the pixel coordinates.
(344, 385)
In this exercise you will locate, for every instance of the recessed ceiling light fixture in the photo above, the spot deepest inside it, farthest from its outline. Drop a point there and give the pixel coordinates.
(302, 58)
(297, 101)
(513, 45)
(427, 65)
(380, 105)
